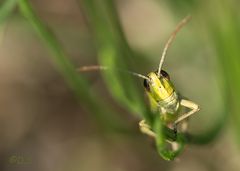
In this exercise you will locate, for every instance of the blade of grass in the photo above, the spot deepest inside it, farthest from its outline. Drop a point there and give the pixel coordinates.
(225, 31)
(101, 111)
(113, 51)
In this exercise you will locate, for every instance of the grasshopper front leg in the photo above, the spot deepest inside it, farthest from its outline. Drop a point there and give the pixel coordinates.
(188, 104)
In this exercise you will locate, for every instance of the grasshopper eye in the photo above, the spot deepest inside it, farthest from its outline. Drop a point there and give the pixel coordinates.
(146, 84)
(165, 74)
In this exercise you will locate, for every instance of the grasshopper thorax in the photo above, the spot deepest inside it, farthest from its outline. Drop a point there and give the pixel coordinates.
(160, 87)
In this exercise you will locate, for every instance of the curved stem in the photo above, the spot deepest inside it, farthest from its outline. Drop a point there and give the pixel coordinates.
(102, 112)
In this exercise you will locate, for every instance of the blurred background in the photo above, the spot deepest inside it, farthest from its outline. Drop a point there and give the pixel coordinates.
(54, 118)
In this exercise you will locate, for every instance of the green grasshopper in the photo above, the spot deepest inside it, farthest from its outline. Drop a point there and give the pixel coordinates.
(166, 102)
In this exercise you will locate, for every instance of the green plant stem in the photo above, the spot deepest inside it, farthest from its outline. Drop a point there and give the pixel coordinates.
(89, 99)
(225, 34)
(113, 51)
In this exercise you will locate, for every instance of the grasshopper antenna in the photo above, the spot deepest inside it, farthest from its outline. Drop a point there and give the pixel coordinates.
(170, 40)
(99, 67)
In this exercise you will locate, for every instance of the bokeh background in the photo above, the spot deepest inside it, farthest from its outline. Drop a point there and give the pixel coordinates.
(54, 118)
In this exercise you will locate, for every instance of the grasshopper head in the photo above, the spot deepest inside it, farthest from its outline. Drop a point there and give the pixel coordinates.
(161, 87)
